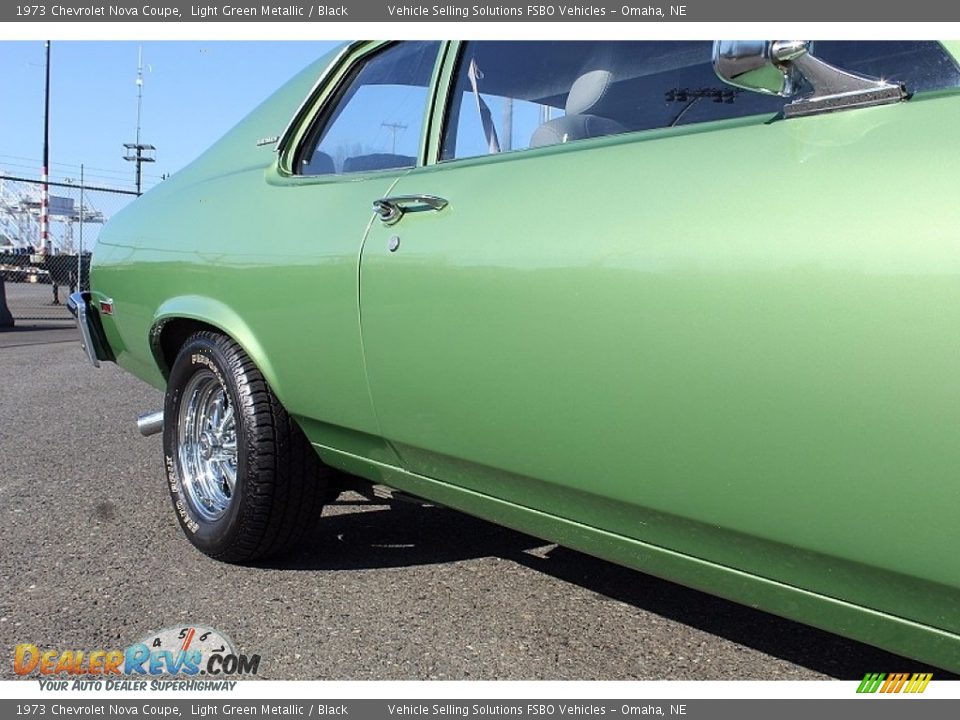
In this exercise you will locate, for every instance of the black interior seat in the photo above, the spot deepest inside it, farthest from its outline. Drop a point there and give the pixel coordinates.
(587, 100)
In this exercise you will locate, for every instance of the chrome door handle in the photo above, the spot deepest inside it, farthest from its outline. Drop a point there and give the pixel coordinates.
(391, 209)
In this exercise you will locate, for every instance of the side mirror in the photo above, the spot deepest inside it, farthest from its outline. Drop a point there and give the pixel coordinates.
(783, 67)
(750, 64)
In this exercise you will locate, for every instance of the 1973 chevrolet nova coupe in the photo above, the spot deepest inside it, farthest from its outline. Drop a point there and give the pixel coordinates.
(692, 307)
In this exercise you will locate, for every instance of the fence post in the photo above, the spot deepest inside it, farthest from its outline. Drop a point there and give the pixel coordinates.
(6, 317)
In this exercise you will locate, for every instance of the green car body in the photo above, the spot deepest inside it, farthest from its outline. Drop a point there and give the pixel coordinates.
(725, 353)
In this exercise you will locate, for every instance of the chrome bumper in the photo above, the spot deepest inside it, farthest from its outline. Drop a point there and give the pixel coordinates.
(92, 338)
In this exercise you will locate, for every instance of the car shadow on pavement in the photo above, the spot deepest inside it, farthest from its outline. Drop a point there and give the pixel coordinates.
(43, 334)
(364, 535)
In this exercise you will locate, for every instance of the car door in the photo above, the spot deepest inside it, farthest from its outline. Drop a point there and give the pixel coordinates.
(363, 129)
(701, 326)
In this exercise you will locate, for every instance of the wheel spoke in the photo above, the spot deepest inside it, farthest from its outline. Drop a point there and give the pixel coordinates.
(229, 475)
(226, 423)
(216, 411)
(207, 446)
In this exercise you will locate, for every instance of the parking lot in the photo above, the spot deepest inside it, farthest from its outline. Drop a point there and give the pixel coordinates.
(92, 558)
(32, 302)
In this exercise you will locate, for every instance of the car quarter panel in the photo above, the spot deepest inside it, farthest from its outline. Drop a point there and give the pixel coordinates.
(271, 263)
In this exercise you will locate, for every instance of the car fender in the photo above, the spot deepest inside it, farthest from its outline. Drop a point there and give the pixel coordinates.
(217, 315)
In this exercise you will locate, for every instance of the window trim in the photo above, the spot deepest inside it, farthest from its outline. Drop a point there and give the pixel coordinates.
(321, 99)
(296, 122)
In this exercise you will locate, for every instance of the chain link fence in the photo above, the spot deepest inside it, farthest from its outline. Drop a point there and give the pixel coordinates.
(35, 285)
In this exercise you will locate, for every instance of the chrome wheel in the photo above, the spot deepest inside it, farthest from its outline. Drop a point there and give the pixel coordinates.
(207, 446)
(244, 480)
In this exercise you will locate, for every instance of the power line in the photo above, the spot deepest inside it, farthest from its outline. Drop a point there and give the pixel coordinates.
(53, 183)
(31, 164)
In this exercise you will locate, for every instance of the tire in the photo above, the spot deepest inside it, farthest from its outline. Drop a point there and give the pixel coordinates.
(244, 480)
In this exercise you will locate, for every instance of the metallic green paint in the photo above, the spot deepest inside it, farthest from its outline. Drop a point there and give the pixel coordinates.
(723, 353)
(688, 372)
(893, 633)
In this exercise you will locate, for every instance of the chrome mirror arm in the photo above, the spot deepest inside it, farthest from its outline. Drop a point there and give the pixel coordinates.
(833, 88)
(781, 67)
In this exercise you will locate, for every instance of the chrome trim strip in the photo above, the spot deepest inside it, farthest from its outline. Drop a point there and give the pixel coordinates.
(295, 119)
(77, 305)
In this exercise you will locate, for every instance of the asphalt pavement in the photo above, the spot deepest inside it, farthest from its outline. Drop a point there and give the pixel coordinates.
(32, 302)
(91, 557)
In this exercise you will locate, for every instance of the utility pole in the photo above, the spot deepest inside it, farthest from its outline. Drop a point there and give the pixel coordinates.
(44, 171)
(79, 286)
(46, 247)
(394, 128)
(139, 152)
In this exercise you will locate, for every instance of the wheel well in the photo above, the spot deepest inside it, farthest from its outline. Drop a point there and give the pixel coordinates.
(169, 336)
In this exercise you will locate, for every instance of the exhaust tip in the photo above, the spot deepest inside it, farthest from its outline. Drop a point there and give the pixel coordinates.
(150, 423)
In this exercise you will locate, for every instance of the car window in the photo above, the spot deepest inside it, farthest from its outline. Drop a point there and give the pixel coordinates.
(516, 95)
(512, 95)
(376, 117)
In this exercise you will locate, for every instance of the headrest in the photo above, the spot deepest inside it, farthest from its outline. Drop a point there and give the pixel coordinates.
(574, 127)
(588, 93)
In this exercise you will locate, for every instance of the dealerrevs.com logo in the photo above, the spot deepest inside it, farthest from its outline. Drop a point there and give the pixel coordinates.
(190, 651)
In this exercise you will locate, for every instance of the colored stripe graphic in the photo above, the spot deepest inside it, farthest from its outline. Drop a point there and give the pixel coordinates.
(894, 682)
(919, 682)
(871, 682)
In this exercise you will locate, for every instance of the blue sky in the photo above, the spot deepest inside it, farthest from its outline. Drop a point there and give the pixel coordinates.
(193, 93)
